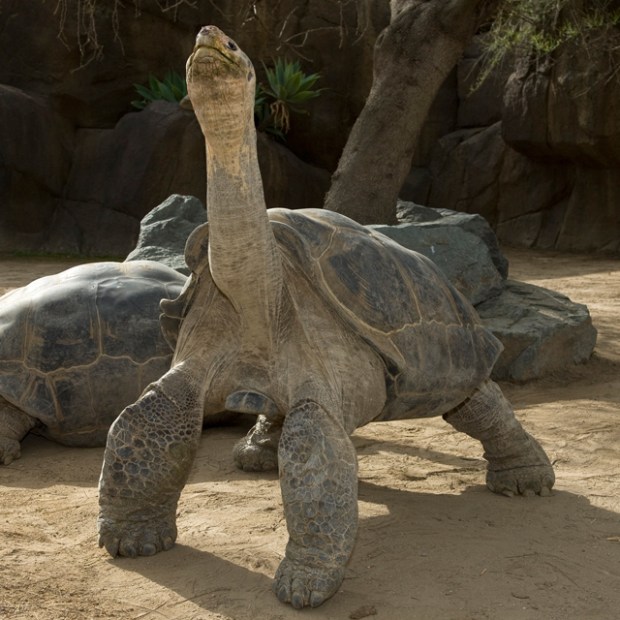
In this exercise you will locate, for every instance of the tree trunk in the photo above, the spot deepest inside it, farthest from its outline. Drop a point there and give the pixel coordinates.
(412, 58)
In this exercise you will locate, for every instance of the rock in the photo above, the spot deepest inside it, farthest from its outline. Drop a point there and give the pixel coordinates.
(545, 174)
(148, 156)
(568, 107)
(35, 156)
(117, 175)
(542, 331)
(91, 230)
(463, 246)
(529, 202)
(95, 90)
(164, 231)
(531, 207)
(465, 169)
(440, 120)
(471, 222)
(288, 181)
(591, 217)
(480, 103)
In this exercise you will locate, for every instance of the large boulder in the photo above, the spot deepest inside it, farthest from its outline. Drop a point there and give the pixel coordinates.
(542, 331)
(165, 229)
(472, 223)
(35, 157)
(463, 246)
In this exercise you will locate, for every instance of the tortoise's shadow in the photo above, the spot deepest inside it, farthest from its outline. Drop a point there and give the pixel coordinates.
(207, 580)
(412, 545)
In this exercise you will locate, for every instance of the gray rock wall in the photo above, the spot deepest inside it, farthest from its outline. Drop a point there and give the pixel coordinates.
(535, 150)
(79, 166)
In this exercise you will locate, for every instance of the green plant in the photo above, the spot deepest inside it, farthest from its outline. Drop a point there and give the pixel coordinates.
(539, 27)
(171, 88)
(288, 89)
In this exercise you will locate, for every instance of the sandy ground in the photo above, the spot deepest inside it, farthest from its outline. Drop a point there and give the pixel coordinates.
(433, 543)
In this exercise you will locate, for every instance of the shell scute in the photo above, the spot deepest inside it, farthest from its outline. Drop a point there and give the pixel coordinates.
(37, 394)
(359, 274)
(62, 329)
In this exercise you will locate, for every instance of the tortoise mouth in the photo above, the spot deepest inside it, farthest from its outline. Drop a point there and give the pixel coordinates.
(204, 49)
(212, 60)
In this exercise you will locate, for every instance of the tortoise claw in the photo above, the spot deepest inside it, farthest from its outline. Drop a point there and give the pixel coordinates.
(131, 539)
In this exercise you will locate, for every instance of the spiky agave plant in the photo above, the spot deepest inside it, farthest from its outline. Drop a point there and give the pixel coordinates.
(288, 89)
(171, 88)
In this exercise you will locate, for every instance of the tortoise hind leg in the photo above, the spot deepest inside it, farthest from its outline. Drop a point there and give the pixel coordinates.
(14, 426)
(517, 464)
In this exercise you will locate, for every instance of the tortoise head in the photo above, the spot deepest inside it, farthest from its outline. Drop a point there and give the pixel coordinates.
(221, 84)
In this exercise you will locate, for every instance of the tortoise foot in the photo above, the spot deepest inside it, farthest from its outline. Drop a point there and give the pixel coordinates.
(9, 450)
(252, 457)
(532, 480)
(132, 538)
(258, 450)
(302, 585)
(525, 472)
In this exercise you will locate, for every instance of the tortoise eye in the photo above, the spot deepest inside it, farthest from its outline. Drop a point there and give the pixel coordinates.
(231, 46)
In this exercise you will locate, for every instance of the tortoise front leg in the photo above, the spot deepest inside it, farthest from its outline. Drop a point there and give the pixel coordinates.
(149, 453)
(14, 426)
(318, 478)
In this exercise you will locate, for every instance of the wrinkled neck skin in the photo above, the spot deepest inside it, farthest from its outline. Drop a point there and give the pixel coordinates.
(243, 256)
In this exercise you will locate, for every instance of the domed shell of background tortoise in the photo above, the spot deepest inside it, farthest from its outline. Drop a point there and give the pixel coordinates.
(78, 346)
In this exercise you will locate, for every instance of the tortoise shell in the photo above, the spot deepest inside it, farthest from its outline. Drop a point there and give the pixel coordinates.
(435, 350)
(78, 346)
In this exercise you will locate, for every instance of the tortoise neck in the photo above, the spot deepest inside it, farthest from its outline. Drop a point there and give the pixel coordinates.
(243, 255)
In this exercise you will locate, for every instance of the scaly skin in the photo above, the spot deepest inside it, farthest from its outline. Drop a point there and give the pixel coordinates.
(149, 452)
(258, 336)
(258, 451)
(14, 425)
(318, 479)
(517, 463)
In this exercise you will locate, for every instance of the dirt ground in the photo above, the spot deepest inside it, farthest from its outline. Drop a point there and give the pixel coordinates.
(433, 543)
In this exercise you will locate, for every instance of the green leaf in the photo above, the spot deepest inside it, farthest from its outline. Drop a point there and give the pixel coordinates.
(171, 88)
